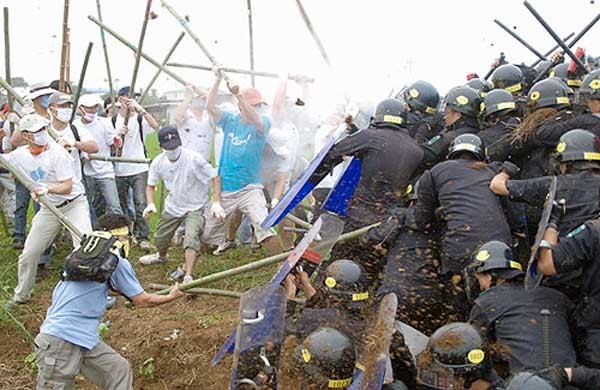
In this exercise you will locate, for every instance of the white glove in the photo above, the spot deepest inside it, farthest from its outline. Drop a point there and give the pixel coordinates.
(123, 130)
(217, 70)
(218, 211)
(85, 156)
(35, 194)
(274, 202)
(150, 209)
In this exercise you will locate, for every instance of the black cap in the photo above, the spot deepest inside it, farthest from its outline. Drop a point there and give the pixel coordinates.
(168, 138)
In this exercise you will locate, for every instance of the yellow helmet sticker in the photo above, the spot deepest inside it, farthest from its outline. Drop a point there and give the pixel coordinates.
(330, 282)
(360, 296)
(574, 83)
(306, 356)
(393, 119)
(561, 147)
(515, 265)
(482, 106)
(409, 189)
(430, 110)
(595, 84)
(414, 93)
(563, 100)
(483, 255)
(506, 105)
(514, 88)
(339, 383)
(462, 100)
(535, 95)
(591, 156)
(476, 356)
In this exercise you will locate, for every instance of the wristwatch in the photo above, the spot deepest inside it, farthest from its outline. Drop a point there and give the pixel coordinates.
(546, 244)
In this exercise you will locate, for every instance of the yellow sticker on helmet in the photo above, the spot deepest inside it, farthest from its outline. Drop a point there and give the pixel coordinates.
(393, 119)
(552, 73)
(561, 147)
(514, 88)
(591, 156)
(409, 189)
(483, 255)
(464, 146)
(430, 110)
(330, 282)
(563, 100)
(360, 366)
(462, 100)
(476, 356)
(574, 83)
(535, 95)
(506, 105)
(306, 356)
(414, 93)
(360, 296)
(482, 106)
(515, 265)
(595, 84)
(339, 383)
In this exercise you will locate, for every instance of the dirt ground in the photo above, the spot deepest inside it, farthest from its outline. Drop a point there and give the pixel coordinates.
(201, 325)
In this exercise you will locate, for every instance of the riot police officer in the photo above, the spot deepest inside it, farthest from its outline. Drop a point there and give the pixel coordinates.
(506, 314)
(470, 213)
(423, 120)
(481, 85)
(508, 77)
(500, 115)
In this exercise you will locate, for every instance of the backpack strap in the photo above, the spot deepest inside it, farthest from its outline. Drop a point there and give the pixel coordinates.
(140, 118)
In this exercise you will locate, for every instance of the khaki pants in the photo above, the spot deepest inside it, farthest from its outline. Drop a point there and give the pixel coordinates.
(60, 361)
(168, 224)
(44, 228)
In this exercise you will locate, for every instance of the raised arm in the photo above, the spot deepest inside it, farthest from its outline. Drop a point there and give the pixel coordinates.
(181, 109)
(211, 105)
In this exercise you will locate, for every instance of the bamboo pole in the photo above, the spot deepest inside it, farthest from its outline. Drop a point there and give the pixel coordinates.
(297, 221)
(32, 186)
(251, 39)
(133, 48)
(68, 62)
(111, 89)
(119, 159)
(210, 291)
(313, 33)
(158, 72)
(262, 263)
(86, 60)
(135, 72)
(10, 90)
(7, 57)
(235, 70)
(64, 48)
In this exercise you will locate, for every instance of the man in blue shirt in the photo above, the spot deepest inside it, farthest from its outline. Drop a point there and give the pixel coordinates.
(244, 139)
(68, 343)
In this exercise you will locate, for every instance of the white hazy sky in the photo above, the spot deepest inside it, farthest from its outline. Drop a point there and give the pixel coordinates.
(373, 45)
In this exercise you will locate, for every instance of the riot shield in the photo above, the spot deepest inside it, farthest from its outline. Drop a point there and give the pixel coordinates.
(338, 198)
(415, 340)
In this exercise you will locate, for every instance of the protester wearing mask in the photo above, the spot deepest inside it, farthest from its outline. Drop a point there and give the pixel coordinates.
(186, 175)
(192, 123)
(68, 343)
(99, 176)
(130, 175)
(51, 168)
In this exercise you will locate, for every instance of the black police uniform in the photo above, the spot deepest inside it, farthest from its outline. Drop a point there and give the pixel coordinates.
(423, 126)
(412, 273)
(510, 317)
(581, 248)
(497, 139)
(436, 148)
(550, 131)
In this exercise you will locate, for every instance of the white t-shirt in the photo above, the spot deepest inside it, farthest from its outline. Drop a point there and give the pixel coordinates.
(48, 168)
(104, 134)
(84, 136)
(132, 146)
(187, 180)
(196, 134)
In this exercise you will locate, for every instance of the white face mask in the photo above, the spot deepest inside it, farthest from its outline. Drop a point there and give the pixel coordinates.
(173, 154)
(41, 138)
(63, 114)
(89, 117)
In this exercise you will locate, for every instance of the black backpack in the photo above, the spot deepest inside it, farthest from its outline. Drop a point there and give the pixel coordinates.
(95, 260)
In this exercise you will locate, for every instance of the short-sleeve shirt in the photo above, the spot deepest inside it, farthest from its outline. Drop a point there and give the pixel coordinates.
(47, 169)
(84, 136)
(242, 152)
(133, 146)
(104, 134)
(187, 180)
(196, 134)
(78, 307)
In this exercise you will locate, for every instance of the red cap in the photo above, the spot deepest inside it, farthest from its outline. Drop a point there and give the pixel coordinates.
(252, 96)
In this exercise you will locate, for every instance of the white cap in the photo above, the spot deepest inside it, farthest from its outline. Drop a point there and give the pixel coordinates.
(33, 123)
(90, 100)
(278, 139)
(40, 89)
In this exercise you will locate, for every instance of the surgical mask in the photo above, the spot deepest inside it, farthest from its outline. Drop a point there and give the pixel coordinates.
(173, 154)
(44, 100)
(41, 138)
(89, 117)
(63, 114)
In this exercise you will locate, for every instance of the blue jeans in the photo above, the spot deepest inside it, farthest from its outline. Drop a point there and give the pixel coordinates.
(138, 184)
(22, 198)
(103, 197)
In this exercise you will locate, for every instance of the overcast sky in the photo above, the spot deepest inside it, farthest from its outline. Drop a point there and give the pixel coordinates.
(373, 45)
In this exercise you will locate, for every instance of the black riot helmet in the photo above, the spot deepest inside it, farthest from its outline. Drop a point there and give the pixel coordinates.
(327, 358)
(561, 71)
(467, 143)
(346, 280)
(528, 381)
(455, 357)
(496, 257)
(390, 113)
(548, 93)
(508, 77)
(543, 65)
(499, 102)
(578, 145)
(421, 96)
(481, 85)
(465, 100)
(590, 86)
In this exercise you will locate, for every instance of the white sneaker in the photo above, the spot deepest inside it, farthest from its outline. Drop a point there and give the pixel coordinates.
(224, 246)
(187, 279)
(154, 258)
(145, 245)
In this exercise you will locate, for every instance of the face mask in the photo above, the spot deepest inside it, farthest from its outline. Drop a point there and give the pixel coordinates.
(41, 138)
(89, 117)
(44, 101)
(173, 155)
(63, 114)
(202, 104)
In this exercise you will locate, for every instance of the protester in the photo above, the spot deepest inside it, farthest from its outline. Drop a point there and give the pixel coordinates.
(193, 122)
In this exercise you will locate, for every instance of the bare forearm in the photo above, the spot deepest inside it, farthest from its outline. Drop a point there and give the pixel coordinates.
(17, 139)
(211, 100)
(150, 190)
(280, 185)
(62, 188)
(250, 113)
(216, 183)
(498, 184)
(150, 300)
(151, 120)
(87, 146)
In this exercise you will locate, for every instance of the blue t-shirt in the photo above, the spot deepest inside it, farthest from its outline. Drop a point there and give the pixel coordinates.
(78, 307)
(242, 152)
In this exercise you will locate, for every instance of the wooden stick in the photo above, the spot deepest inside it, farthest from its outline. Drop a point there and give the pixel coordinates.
(158, 72)
(313, 33)
(235, 70)
(111, 90)
(10, 90)
(86, 60)
(63, 52)
(251, 39)
(262, 263)
(120, 159)
(68, 62)
(210, 291)
(7, 56)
